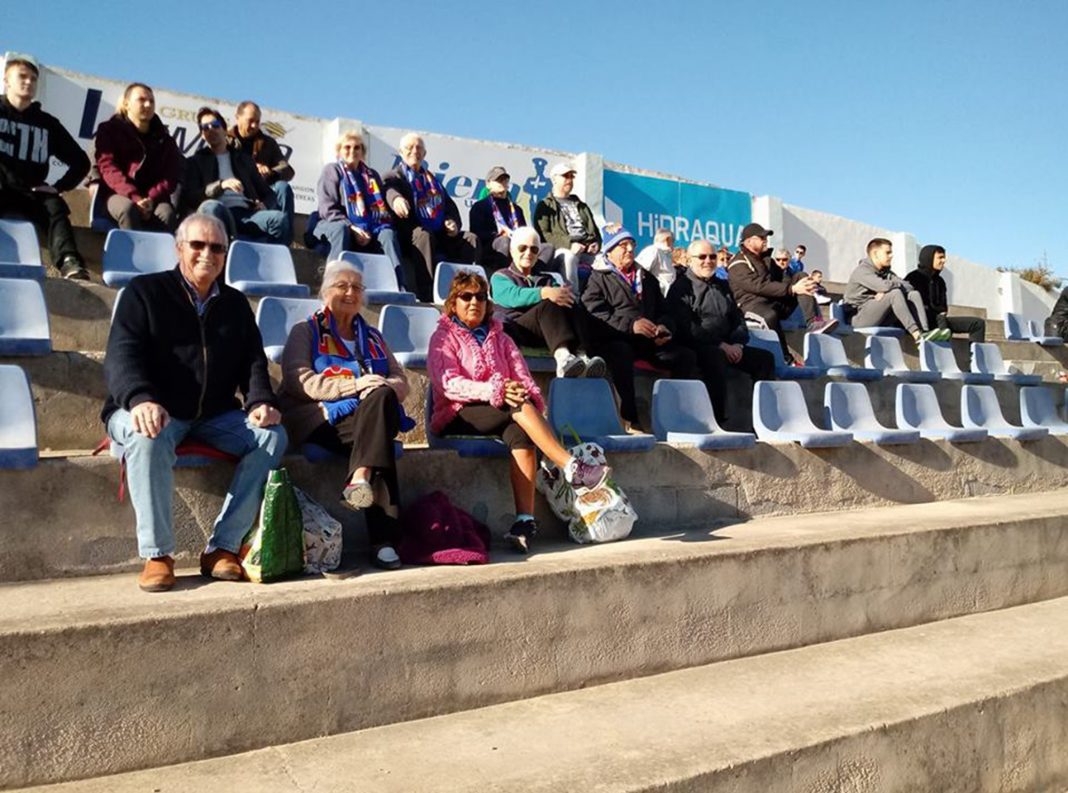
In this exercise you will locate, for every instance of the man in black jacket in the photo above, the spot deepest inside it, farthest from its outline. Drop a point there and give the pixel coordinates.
(630, 320)
(271, 163)
(927, 280)
(221, 180)
(708, 320)
(29, 139)
(495, 217)
(429, 224)
(182, 343)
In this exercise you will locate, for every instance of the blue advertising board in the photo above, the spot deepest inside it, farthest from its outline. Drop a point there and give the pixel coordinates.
(693, 212)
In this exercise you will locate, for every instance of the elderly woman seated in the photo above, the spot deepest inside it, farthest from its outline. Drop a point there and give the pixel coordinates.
(481, 386)
(342, 389)
(539, 312)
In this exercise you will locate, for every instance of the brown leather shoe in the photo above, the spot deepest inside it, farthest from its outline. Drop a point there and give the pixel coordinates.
(220, 564)
(158, 575)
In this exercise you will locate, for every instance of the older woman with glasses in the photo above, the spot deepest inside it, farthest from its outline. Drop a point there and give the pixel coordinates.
(342, 389)
(481, 386)
(540, 312)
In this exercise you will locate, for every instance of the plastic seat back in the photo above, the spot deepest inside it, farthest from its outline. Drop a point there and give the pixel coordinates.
(847, 406)
(781, 406)
(276, 316)
(407, 331)
(682, 406)
(258, 268)
(18, 422)
(825, 351)
(884, 352)
(936, 356)
(18, 243)
(769, 340)
(986, 359)
(917, 407)
(24, 328)
(445, 272)
(1037, 410)
(585, 405)
(379, 278)
(1015, 327)
(128, 254)
(1037, 331)
(979, 407)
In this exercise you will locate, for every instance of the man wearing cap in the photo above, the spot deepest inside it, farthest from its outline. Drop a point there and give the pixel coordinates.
(495, 217)
(766, 290)
(29, 139)
(630, 320)
(567, 224)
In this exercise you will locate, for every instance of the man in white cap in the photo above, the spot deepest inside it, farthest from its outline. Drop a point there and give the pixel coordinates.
(567, 224)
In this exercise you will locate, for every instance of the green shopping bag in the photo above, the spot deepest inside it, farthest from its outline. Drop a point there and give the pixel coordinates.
(274, 547)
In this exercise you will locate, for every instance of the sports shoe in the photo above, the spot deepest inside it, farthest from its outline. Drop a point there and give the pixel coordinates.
(571, 366)
(385, 557)
(595, 366)
(158, 575)
(222, 565)
(358, 495)
(72, 269)
(945, 334)
(820, 325)
(585, 475)
(932, 335)
(520, 534)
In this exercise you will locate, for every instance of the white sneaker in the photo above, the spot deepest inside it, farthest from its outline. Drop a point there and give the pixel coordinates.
(571, 366)
(595, 366)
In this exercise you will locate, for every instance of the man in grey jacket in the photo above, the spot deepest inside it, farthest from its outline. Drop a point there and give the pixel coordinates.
(874, 292)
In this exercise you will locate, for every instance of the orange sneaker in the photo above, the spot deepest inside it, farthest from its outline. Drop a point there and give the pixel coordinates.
(220, 564)
(158, 575)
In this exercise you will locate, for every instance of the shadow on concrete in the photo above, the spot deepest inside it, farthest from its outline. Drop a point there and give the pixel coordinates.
(1051, 449)
(878, 476)
(926, 453)
(993, 451)
(767, 458)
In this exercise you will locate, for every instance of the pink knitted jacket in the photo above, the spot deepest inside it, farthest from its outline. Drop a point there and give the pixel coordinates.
(461, 372)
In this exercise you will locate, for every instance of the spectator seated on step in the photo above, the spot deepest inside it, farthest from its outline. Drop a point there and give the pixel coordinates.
(137, 164)
(658, 259)
(820, 293)
(708, 321)
(1057, 324)
(182, 344)
(222, 180)
(566, 223)
(928, 282)
(481, 386)
(428, 221)
(271, 162)
(353, 215)
(797, 263)
(29, 139)
(538, 312)
(876, 297)
(495, 217)
(630, 320)
(765, 288)
(342, 389)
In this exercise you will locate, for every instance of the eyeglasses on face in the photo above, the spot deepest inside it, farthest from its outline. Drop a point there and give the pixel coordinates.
(467, 297)
(346, 286)
(525, 248)
(703, 257)
(213, 124)
(783, 259)
(216, 248)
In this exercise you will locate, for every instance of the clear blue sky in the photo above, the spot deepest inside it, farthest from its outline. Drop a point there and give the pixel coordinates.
(946, 119)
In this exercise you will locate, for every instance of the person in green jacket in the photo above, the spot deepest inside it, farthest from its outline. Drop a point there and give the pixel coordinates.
(567, 224)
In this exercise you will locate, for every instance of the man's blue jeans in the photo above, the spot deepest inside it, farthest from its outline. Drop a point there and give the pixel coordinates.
(259, 225)
(150, 475)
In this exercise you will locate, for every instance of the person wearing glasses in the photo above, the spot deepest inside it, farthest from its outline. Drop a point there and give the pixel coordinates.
(182, 344)
(797, 264)
(540, 312)
(221, 180)
(480, 385)
(353, 215)
(342, 389)
(495, 217)
(708, 321)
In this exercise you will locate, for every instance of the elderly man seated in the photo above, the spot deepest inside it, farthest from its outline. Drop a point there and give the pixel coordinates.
(182, 344)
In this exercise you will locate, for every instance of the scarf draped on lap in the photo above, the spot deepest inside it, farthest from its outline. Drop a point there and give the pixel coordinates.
(429, 198)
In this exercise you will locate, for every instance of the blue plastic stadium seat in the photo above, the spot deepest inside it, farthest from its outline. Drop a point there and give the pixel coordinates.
(1037, 410)
(276, 316)
(443, 275)
(128, 254)
(463, 445)
(796, 320)
(20, 254)
(1038, 335)
(847, 407)
(917, 409)
(407, 331)
(780, 415)
(683, 416)
(263, 269)
(839, 312)
(828, 354)
(884, 352)
(587, 407)
(99, 219)
(538, 359)
(769, 340)
(979, 408)
(937, 356)
(18, 422)
(379, 279)
(1016, 328)
(24, 328)
(986, 358)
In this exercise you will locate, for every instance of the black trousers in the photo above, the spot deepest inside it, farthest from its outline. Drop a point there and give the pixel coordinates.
(620, 355)
(366, 437)
(973, 326)
(547, 324)
(50, 214)
(712, 363)
(478, 418)
(774, 312)
(430, 247)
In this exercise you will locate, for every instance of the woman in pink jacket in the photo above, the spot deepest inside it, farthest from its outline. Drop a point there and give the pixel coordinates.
(481, 386)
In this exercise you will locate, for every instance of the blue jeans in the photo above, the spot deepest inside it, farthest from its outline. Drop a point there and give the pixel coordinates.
(283, 202)
(255, 225)
(150, 475)
(340, 238)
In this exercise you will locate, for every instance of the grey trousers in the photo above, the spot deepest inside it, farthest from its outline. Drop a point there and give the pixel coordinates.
(908, 310)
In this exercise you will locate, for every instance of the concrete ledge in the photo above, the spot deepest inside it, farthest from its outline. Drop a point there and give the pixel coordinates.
(90, 663)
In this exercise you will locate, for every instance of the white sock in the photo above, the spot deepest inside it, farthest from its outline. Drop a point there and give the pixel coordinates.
(561, 354)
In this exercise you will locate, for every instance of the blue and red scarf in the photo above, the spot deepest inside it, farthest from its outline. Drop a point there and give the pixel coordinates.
(634, 280)
(429, 198)
(513, 216)
(364, 204)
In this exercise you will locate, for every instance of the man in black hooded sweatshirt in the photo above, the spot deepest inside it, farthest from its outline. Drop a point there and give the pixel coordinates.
(927, 280)
(29, 138)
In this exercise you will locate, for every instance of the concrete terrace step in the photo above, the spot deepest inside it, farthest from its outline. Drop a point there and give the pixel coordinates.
(968, 704)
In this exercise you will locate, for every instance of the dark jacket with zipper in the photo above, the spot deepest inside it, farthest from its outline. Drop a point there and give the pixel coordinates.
(705, 311)
(28, 140)
(397, 186)
(549, 221)
(614, 307)
(930, 284)
(133, 165)
(756, 280)
(264, 151)
(160, 350)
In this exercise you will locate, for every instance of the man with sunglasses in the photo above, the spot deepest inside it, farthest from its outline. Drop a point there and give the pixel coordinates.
(222, 180)
(182, 344)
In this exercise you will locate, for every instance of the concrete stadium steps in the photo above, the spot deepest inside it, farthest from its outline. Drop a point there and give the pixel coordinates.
(89, 532)
(101, 678)
(968, 705)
